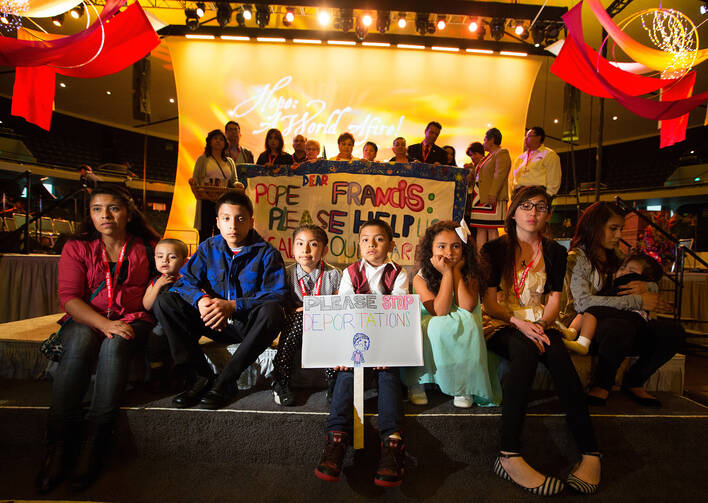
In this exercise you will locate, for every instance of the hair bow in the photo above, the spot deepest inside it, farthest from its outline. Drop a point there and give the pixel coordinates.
(463, 231)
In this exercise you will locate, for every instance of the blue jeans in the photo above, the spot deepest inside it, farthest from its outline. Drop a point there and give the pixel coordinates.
(390, 402)
(85, 348)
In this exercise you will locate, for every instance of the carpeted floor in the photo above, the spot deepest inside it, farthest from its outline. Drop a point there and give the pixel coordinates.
(257, 451)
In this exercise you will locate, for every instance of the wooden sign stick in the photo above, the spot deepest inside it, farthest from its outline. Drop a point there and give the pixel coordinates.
(358, 407)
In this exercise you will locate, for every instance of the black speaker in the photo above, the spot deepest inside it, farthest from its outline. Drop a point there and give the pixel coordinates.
(141, 90)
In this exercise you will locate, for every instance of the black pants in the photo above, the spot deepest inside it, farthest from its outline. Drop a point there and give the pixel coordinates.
(616, 337)
(523, 356)
(207, 221)
(183, 326)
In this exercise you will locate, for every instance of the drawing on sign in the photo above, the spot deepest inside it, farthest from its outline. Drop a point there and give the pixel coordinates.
(361, 343)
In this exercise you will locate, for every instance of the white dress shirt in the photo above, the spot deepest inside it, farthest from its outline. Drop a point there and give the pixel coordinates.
(536, 167)
(374, 275)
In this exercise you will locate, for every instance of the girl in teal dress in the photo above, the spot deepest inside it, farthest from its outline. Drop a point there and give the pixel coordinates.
(454, 350)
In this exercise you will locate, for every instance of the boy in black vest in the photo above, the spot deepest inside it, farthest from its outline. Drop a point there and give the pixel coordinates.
(373, 274)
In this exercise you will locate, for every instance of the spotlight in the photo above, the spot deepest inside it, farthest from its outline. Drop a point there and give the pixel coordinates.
(552, 32)
(77, 11)
(289, 16)
(247, 12)
(496, 28)
(521, 31)
(383, 21)
(323, 17)
(240, 19)
(201, 9)
(473, 26)
(703, 9)
(538, 34)
(345, 22)
(192, 20)
(362, 27)
(402, 20)
(58, 20)
(441, 23)
(262, 15)
(223, 14)
(4, 19)
(423, 24)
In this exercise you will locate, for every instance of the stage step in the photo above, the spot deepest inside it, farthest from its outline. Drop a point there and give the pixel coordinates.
(257, 451)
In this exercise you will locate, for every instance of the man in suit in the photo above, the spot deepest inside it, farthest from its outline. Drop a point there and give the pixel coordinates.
(427, 151)
(240, 155)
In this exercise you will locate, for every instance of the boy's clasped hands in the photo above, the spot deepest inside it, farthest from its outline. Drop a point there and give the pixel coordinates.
(215, 313)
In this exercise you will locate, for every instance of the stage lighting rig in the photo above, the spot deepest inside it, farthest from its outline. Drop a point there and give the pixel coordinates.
(362, 27)
(473, 26)
(323, 17)
(383, 21)
(77, 11)
(538, 33)
(289, 16)
(223, 14)
(247, 12)
(442, 23)
(345, 21)
(58, 20)
(240, 19)
(191, 19)
(496, 28)
(423, 24)
(521, 31)
(262, 15)
(200, 10)
(402, 20)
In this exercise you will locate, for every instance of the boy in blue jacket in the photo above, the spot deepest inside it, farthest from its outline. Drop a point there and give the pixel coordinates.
(232, 290)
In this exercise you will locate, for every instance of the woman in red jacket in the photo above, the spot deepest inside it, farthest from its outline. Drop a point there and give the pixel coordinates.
(103, 272)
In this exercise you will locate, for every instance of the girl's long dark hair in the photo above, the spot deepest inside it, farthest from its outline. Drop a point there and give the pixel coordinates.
(424, 252)
(137, 225)
(511, 238)
(212, 134)
(589, 234)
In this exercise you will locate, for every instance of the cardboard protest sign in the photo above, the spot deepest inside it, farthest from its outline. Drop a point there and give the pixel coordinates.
(361, 331)
(340, 196)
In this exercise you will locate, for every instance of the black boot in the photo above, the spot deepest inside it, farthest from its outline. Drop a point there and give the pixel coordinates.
(62, 444)
(94, 450)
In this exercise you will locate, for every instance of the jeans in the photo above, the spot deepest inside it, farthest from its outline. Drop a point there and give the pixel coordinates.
(616, 337)
(84, 347)
(390, 402)
(183, 326)
(523, 359)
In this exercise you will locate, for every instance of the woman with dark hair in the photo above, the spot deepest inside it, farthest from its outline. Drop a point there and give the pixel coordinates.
(593, 261)
(523, 267)
(450, 151)
(103, 273)
(454, 353)
(214, 168)
(273, 154)
(489, 202)
(345, 142)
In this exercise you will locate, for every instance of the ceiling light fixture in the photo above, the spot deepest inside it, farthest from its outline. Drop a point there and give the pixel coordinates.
(289, 16)
(345, 21)
(262, 15)
(473, 26)
(58, 20)
(402, 20)
(323, 17)
(383, 21)
(496, 28)
(200, 10)
(223, 14)
(77, 11)
(423, 25)
(191, 19)
(366, 20)
(442, 23)
(247, 12)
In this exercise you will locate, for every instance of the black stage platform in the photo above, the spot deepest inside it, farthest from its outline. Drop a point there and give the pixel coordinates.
(255, 450)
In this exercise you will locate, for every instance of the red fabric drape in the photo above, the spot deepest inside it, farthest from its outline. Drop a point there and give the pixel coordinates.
(31, 101)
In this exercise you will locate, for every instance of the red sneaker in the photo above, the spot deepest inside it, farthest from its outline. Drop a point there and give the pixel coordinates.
(331, 461)
(391, 470)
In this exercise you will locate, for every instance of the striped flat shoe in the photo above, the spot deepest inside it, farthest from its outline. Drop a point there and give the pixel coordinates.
(550, 487)
(580, 485)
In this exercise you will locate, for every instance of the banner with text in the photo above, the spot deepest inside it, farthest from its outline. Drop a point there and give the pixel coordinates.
(361, 331)
(340, 196)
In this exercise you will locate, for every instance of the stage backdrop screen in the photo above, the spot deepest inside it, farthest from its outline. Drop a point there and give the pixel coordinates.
(377, 94)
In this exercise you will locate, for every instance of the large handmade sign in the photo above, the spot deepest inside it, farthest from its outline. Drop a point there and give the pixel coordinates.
(361, 331)
(340, 196)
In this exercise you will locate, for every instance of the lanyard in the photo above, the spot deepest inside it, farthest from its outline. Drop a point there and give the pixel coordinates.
(528, 157)
(318, 285)
(272, 158)
(109, 279)
(519, 283)
(426, 151)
